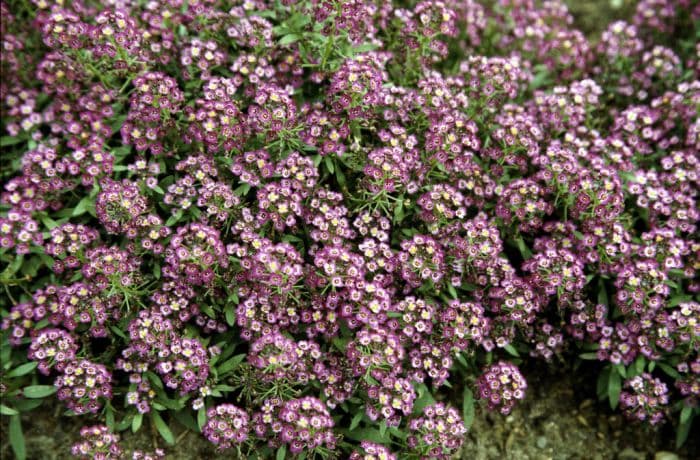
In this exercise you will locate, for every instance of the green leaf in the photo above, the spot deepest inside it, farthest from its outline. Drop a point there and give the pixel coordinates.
(230, 315)
(686, 413)
(368, 434)
(602, 386)
(172, 220)
(185, 418)
(117, 123)
(242, 190)
(670, 371)
(25, 405)
(118, 332)
(423, 398)
(6, 141)
(281, 453)
(589, 356)
(24, 369)
(468, 407)
(602, 293)
(614, 389)
(162, 428)
(511, 350)
(330, 166)
(340, 344)
(17, 438)
(451, 289)
(356, 420)
(620, 368)
(522, 247)
(231, 364)
(201, 418)
(289, 39)
(398, 212)
(4, 410)
(87, 204)
(11, 269)
(109, 417)
(363, 48)
(684, 426)
(639, 365)
(136, 422)
(38, 391)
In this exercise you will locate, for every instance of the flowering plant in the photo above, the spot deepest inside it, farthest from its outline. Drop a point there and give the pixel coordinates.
(301, 227)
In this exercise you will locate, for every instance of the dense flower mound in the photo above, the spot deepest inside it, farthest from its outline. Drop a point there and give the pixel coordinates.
(302, 227)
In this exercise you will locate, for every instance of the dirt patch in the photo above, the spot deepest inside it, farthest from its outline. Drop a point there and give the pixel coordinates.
(560, 419)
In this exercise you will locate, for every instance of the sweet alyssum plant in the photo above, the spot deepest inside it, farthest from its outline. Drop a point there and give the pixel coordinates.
(301, 228)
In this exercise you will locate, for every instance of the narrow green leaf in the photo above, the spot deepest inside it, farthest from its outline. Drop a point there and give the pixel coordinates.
(201, 418)
(620, 368)
(602, 386)
(602, 293)
(162, 428)
(185, 418)
(25, 405)
(289, 39)
(6, 141)
(670, 371)
(522, 247)
(136, 422)
(589, 356)
(683, 429)
(118, 332)
(281, 453)
(231, 364)
(356, 420)
(614, 389)
(423, 398)
(451, 289)
(511, 350)
(330, 166)
(685, 414)
(83, 206)
(639, 365)
(4, 410)
(368, 434)
(117, 123)
(17, 438)
(24, 369)
(109, 417)
(230, 314)
(468, 407)
(11, 269)
(38, 391)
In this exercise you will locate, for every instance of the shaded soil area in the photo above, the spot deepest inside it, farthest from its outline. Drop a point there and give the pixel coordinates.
(561, 419)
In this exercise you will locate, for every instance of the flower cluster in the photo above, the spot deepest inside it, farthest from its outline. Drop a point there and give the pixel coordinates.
(97, 443)
(84, 386)
(226, 426)
(644, 398)
(52, 349)
(193, 253)
(306, 424)
(438, 433)
(501, 385)
(155, 101)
